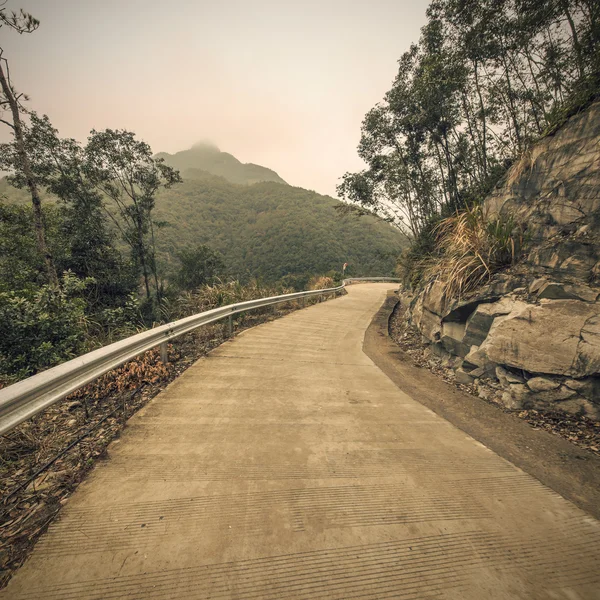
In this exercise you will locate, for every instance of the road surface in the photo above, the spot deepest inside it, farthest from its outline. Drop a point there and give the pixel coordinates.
(286, 465)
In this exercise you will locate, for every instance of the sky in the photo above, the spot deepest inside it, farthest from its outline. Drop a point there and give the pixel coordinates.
(281, 84)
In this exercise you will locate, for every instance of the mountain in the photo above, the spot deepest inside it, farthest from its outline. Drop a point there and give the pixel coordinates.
(268, 229)
(271, 230)
(207, 157)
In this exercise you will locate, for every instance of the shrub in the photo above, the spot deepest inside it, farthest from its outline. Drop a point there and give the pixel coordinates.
(40, 330)
(221, 293)
(321, 282)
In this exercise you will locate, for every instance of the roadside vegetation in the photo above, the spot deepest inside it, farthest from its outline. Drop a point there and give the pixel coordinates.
(485, 81)
(84, 259)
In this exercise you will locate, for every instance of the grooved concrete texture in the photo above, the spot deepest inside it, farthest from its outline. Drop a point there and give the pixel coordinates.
(287, 465)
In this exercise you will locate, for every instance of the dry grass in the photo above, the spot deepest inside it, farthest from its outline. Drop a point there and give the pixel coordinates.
(321, 283)
(472, 248)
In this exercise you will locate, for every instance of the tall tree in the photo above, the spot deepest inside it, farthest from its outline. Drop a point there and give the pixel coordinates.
(124, 169)
(85, 244)
(485, 80)
(23, 22)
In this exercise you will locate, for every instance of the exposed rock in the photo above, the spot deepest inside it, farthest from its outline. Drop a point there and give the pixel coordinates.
(437, 349)
(581, 406)
(427, 322)
(560, 337)
(575, 384)
(588, 387)
(464, 378)
(433, 298)
(505, 377)
(537, 284)
(452, 362)
(555, 395)
(567, 258)
(454, 346)
(517, 397)
(554, 343)
(479, 323)
(542, 384)
(588, 355)
(478, 372)
(565, 291)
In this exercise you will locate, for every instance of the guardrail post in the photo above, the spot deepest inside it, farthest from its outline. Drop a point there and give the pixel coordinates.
(164, 353)
(230, 326)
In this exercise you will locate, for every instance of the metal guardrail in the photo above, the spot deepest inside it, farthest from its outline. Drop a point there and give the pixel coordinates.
(24, 399)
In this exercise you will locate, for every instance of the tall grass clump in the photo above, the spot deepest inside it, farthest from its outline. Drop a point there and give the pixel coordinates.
(472, 247)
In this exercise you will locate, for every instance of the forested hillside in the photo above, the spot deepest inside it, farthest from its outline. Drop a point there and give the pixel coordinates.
(271, 230)
(267, 230)
(209, 158)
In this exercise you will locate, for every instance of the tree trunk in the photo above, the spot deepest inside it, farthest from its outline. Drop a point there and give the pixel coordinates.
(483, 120)
(576, 44)
(38, 221)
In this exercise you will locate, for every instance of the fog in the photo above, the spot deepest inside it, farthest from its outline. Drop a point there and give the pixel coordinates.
(285, 85)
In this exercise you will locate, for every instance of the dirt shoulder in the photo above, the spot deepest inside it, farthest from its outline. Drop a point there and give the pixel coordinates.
(571, 471)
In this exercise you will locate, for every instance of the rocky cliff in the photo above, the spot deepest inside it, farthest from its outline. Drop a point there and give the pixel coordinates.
(530, 338)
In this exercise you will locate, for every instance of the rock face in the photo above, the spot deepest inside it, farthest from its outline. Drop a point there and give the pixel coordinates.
(547, 338)
(534, 331)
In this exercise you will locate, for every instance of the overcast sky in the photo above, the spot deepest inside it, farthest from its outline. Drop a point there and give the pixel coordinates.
(278, 83)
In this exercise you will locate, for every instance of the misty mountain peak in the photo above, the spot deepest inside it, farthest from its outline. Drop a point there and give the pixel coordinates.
(206, 145)
(206, 156)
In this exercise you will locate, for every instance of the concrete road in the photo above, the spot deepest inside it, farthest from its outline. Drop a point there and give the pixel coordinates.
(287, 465)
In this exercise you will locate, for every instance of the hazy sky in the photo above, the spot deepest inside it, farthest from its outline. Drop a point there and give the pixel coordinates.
(281, 84)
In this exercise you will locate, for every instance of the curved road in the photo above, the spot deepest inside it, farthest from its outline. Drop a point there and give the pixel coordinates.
(287, 465)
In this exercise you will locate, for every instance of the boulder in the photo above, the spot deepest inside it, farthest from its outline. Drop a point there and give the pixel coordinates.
(580, 406)
(474, 359)
(542, 384)
(455, 347)
(428, 323)
(566, 291)
(588, 387)
(478, 372)
(479, 323)
(463, 377)
(505, 377)
(557, 337)
(517, 397)
(477, 361)
(434, 298)
(537, 284)
(555, 395)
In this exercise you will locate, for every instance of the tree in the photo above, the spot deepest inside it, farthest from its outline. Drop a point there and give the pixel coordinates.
(199, 265)
(80, 239)
(486, 79)
(9, 97)
(124, 169)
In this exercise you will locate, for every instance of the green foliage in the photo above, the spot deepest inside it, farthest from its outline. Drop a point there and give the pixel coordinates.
(124, 169)
(76, 229)
(270, 231)
(199, 265)
(21, 266)
(485, 80)
(41, 329)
